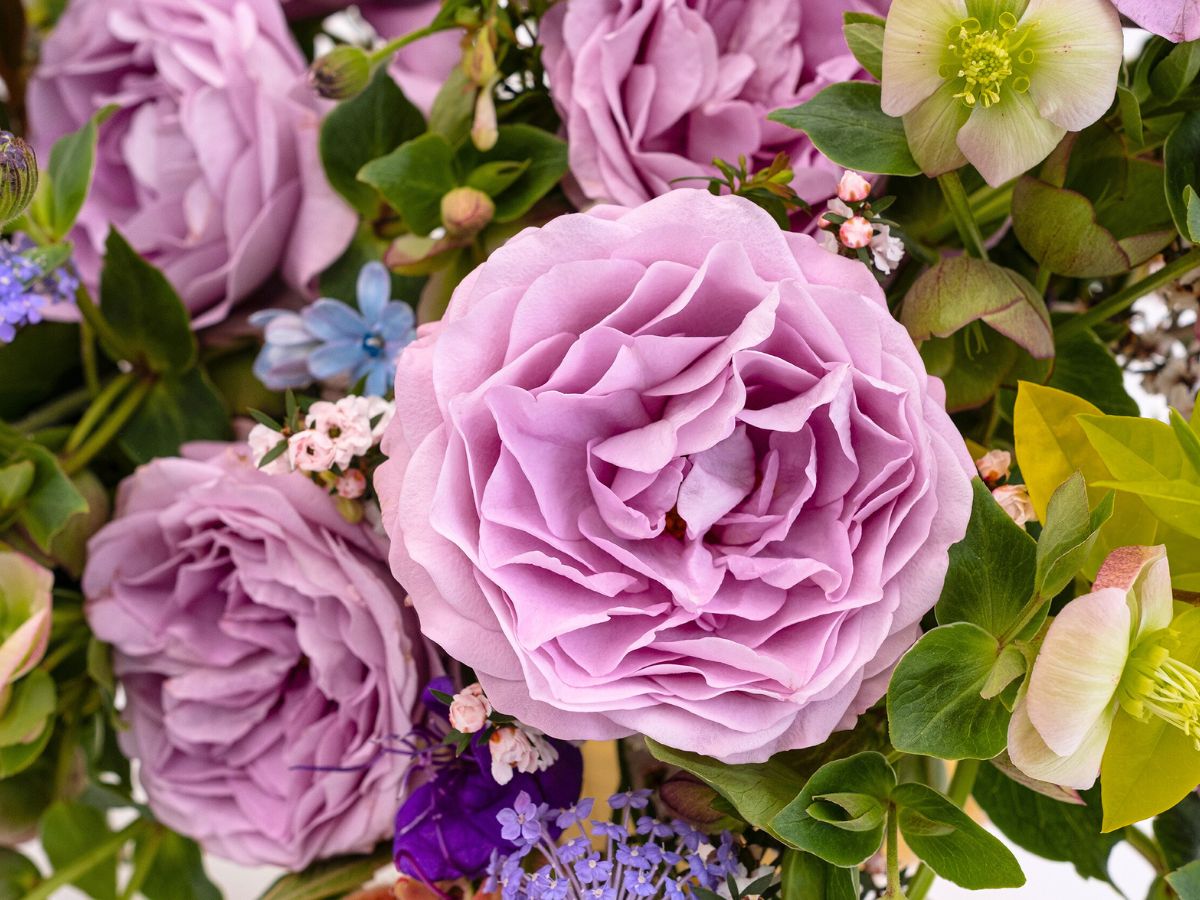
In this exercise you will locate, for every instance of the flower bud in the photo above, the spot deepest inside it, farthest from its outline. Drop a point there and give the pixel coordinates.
(853, 188)
(994, 466)
(351, 485)
(342, 73)
(480, 60)
(18, 176)
(466, 211)
(484, 131)
(1014, 500)
(25, 606)
(856, 233)
(469, 709)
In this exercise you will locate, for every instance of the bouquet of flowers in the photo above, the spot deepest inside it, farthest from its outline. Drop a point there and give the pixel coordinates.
(598, 448)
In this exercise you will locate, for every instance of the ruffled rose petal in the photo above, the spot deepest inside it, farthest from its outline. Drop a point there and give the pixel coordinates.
(1176, 20)
(914, 46)
(1008, 138)
(1079, 48)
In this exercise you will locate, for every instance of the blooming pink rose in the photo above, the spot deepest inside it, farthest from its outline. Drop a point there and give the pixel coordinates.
(1176, 20)
(652, 90)
(672, 470)
(261, 643)
(470, 709)
(210, 166)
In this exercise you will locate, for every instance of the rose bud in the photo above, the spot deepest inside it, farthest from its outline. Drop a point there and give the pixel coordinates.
(342, 73)
(853, 188)
(466, 211)
(856, 233)
(18, 176)
(25, 606)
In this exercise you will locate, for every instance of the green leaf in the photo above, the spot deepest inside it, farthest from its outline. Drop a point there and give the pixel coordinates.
(846, 123)
(1186, 881)
(19, 757)
(864, 37)
(543, 156)
(1051, 829)
(40, 364)
(1192, 203)
(177, 872)
(848, 811)
(19, 876)
(1188, 439)
(1131, 115)
(177, 410)
(330, 878)
(1051, 444)
(414, 178)
(454, 107)
(24, 798)
(1149, 767)
(1085, 367)
(1175, 74)
(962, 851)
(369, 126)
(15, 483)
(69, 830)
(808, 877)
(1178, 832)
(990, 578)
(934, 702)
(866, 773)
(144, 310)
(30, 708)
(1068, 536)
(1181, 155)
(493, 178)
(69, 177)
(52, 501)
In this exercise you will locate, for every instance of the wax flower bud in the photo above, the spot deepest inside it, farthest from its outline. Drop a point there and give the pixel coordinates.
(466, 211)
(485, 131)
(25, 607)
(351, 485)
(853, 188)
(342, 73)
(856, 233)
(1014, 499)
(994, 466)
(18, 176)
(469, 709)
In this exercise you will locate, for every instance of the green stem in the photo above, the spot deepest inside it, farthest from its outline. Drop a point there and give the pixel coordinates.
(110, 429)
(143, 859)
(1125, 298)
(84, 863)
(98, 409)
(1043, 280)
(1148, 847)
(54, 412)
(389, 49)
(987, 204)
(960, 211)
(92, 315)
(87, 353)
(895, 891)
(961, 785)
(1028, 613)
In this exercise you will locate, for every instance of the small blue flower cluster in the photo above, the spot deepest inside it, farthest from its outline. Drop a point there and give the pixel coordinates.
(26, 290)
(641, 857)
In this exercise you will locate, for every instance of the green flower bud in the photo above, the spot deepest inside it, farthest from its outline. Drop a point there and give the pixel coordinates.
(25, 605)
(18, 176)
(342, 73)
(466, 211)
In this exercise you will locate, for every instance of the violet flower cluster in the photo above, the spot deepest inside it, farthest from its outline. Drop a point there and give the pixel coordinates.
(640, 857)
(26, 290)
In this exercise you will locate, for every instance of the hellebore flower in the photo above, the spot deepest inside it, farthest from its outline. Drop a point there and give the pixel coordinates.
(997, 84)
(25, 604)
(1106, 651)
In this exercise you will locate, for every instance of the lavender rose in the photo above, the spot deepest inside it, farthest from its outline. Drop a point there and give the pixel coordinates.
(210, 167)
(728, 64)
(674, 471)
(262, 644)
(1176, 20)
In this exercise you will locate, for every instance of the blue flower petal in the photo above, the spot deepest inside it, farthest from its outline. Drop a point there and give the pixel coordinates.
(397, 320)
(380, 378)
(333, 359)
(374, 290)
(332, 320)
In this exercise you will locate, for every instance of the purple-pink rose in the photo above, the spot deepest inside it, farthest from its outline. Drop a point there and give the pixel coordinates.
(210, 166)
(266, 654)
(672, 470)
(653, 90)
(1176, 20)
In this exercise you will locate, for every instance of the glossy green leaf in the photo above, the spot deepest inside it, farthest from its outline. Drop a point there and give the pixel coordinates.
(17, 758)
(1186, 881)
(1181, 155)
(934, 702)
(846, 123)
(960, 850)
(19, 876)
(414, 178)
(69, 177)
(52, 501)
(1131, 115)
(1051, 444)
(1188, 438)
(867, 774)
(177, 410)
(29, 708)
(1085, 367)
(543, 156)
(69, 830)
(362, 129)
(177, 872)
(15, 483)
(1191, 202)
(864, 37)
(1176, 71)
(1068, 535)
(808, 877)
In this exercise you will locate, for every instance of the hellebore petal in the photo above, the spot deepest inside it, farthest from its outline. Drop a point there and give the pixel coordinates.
(1075, 678)
(1078, 47)
(914, 44)
(1144, 572)
(1030, 754)
(1008, 138)
(932, 131)
(25, 606)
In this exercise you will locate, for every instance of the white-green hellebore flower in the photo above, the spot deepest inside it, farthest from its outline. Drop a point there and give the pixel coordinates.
(1106, 651)
(997, 83)
(25, 608)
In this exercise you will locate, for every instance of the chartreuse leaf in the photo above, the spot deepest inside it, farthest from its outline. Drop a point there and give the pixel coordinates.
(1052, 829)
(413, 179)
(858, 787)
(1051, 444)
(847, 124)
(808, 877)
(1150, 766)
(951, 843)
(990, 578)
(864, 37)
(1186, 881)
(935, 703)
(1068, 536)
(69, 830)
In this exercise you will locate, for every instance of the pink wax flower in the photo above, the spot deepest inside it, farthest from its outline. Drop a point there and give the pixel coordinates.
(1176, 20)
(671, 470)
(262, 644)
(210, 166)
(728, 64)
(856, 233)
(853, 188)
(469, 709)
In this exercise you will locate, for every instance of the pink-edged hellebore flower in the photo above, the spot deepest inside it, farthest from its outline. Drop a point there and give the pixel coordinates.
(997, 83)
(25, 605)
(1107, 651)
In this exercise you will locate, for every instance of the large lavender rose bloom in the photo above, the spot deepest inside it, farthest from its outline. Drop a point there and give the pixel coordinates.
(210, 166)
(653, 90)
(1176, 20)
(671, 470)
(262, 644)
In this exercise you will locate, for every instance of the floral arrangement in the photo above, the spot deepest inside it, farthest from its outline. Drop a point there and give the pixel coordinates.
(611, 449)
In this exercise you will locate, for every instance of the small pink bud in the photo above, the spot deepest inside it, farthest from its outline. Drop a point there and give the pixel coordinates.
(352, 484)
(470, 709)
(466, 211)
(853, 188)
(994, 465)
(856, 233)
(1014, 500)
